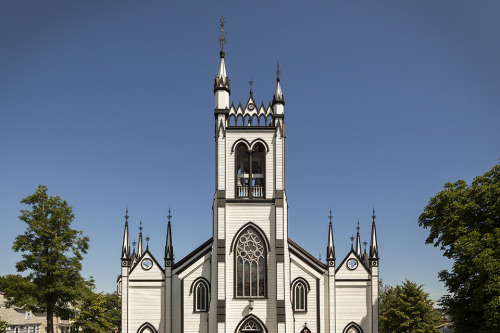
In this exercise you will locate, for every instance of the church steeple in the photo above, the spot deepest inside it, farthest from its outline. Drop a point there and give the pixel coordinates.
(278, 97)
(169, 249)
(139, 246)
(358, 242)
(126, 240)
(373, 243)
(330, 250)
(222, 84)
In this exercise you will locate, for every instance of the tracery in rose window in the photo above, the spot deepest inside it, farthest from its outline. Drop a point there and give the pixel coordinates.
(250, 265)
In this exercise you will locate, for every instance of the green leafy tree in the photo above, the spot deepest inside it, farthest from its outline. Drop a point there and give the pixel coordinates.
(464, 221)
(51, 255)
(406, 309)
(114, 309)
(94, 316)
(3, 326)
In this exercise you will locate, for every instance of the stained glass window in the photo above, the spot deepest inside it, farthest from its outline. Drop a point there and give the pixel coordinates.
(250, 265)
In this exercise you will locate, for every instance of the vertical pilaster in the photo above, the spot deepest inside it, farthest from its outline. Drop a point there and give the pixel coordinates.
(374, 294)
(124, 294)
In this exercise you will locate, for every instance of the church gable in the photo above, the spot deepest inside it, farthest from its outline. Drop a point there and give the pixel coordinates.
(352, 268)
(147, 268)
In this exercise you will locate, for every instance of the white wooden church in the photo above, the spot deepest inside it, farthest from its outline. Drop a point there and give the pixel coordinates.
(249, 277)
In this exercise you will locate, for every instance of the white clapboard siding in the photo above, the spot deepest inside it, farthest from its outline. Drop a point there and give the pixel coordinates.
(345, 273)
(146, 306)
(139, 273)
(353, 304)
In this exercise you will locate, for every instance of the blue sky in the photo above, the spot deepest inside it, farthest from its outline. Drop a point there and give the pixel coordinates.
(110, 104)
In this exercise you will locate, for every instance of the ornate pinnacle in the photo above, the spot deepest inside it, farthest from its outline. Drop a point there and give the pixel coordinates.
(222, 39)
(278, 72)
(140, 227)
(373, 216)
(330, 217)
(147, 241)
(126, 215)
(169, 216)
(364, 243)
(352, 241)
(357, 228)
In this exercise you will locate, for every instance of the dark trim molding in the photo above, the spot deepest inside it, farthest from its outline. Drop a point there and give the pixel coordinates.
(145, 326)
(352, 325)
(196, 254)
(145, 280)
(353, 280)
(248, 317)
(182, 306)
(318, 313)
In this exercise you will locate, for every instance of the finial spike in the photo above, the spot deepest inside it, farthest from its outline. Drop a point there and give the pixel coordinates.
(134, 243)
(357, 228)
(126, 215)
(278, 72)
(352, 241)
(140, 227)
(373, 215)
(330, 217)
(222, 39)
(169, 216)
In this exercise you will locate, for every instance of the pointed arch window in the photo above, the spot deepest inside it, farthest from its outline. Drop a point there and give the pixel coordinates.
(300, 289)
(250, 171)
(200, 290)
(250, 256)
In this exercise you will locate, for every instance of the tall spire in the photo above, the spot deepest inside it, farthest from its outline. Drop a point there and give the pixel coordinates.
(221, 81)
(330, 250)
(126, 240)
(278, 94)
(139, 247)
(358, 242)
(169, 249)
(373, 243)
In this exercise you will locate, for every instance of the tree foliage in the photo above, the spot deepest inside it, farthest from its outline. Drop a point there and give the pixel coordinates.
(406, 308)
(99, 313)
(51, 255)
(3, 326)
(464, 221)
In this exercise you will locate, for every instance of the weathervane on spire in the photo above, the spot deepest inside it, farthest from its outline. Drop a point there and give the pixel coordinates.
(222, 39)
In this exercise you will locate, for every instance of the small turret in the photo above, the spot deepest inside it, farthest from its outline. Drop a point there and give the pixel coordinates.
(330, 250)
(169, 249)
(373, 244)
(139, 247)
(126, 240)
(278, 97)
(222, 84)
(358, 242)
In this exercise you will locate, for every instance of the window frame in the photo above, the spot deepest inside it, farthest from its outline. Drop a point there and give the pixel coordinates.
(194, 291)
(306, 288)
(250, 151)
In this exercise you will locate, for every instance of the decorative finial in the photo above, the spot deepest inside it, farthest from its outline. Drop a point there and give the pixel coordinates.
(251, 85)
(352, 241)
(222, 39)
(169, 216)
(126, 215)
(140, 227)
(147, 241)
(373, 216)
(320, 257)
(278, 72)
(134, 243)
(357, 228)
(364, 243)
(330, 217)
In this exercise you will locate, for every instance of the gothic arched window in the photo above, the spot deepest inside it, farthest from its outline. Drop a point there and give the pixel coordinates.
(200, 290)
(299, 297)
(250, 256)
(300, 288)
(250, 171)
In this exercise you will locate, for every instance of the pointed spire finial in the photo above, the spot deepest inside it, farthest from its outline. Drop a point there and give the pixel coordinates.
(134, 243)
(278, 72)
(357, 228)
(373, 215)
(169, 216)
(126, 215)
(251, 86)
(364, 243)
(352, 242)
(330, 250)
(147, 242)
(126, 240)
(222, 39)
(140, 227)
(330, 217)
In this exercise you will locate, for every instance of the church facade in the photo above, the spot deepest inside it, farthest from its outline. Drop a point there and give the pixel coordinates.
(249, 277)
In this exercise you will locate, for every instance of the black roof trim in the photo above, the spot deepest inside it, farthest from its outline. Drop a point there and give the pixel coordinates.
(295, 248)
(140, 259)
(360, 260)
(194, 254)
